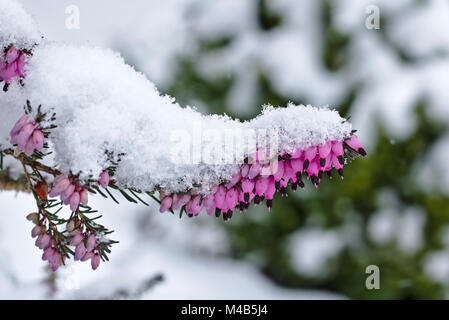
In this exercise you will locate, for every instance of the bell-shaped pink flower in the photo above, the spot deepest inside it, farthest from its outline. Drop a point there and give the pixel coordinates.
(279, 171)
(166, 204)
(254, 170)
(261, 185)
(234, 180)
(298, 153)
(59, 185)
(209, 204)
(74, 201)
(196, 205)
(29, 147)
(54, 261)
(19, 125)
(43, 241)
(20, 67)
(80, 251)
(354, 143)
(104, 179)
(24, 135)
(180, 201)
(337, 150)
(310, 153)
(232, 198)
(48, 253)
(247, 185)
(84, 197)
(245, 170)
(77, 238)
(38, 140)
(36, 231)
(11, 55)
(67, 193)
(90, 243)
(87, 256)
(219, 197)
(95, 261)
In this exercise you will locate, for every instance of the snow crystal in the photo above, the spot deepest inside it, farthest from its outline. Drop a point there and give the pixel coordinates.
(17, 26)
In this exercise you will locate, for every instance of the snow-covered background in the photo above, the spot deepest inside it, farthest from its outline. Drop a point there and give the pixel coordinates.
(393, 70)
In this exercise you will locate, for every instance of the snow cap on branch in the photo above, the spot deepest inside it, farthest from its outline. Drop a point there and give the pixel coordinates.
(17, 26)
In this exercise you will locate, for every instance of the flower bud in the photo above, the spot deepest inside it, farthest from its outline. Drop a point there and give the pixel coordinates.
(37, 230)
(77, 238)
(87, 256)
(80, 251)
(104, 179)
(90, 245)
(95, 262)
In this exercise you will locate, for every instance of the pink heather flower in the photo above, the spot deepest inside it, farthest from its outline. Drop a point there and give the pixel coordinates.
(38, 140)
(219, 197)
(24, 134)
(90, 244)
(209, 204)
(324, 150)
(245, 170)
(234, 180)
(337, 150)
(74, 201)
(84, 197)
(166, 204)
(254, 170)
(232, 198)
(59, 186)
(95, 262)
(261, 185)
(48, 253)
(279, 171)
(180, 201)
(67, 193)
(104, 179)
(54, 261)
(12, 65)
(19, 125)
(43, 241)
(36, 231)
(354, 143)
(77, 238)
(80, 251)
(20, 68)
(20, 134)
(195, 206)
(247, 187)
(29, 147)
(298, 153)
(11, 55)
(309, 155)
(87, 256)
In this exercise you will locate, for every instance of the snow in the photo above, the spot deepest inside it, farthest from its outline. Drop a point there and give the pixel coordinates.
(393, 224)
(312, 248)
(17, 26)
